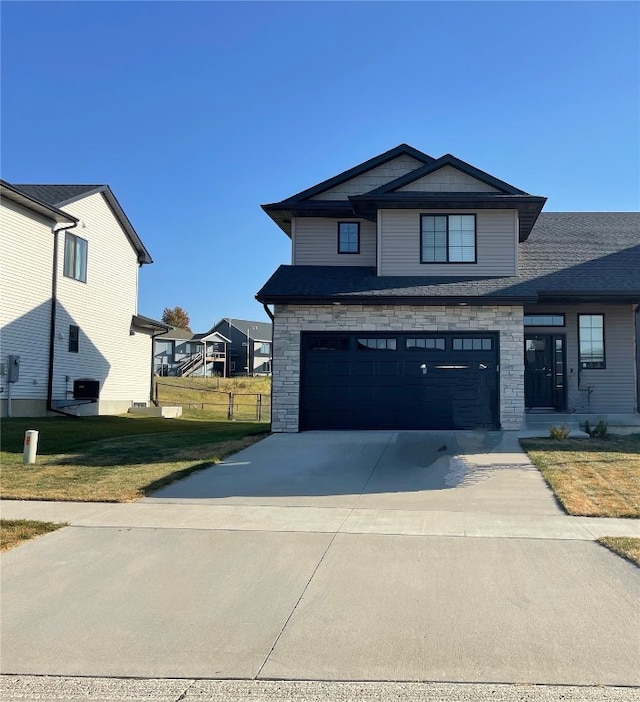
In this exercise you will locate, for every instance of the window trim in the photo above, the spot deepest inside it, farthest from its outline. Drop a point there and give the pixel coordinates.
(586, 365)
(448, 262)
(65, 267)
(74, 338)
(357, 251)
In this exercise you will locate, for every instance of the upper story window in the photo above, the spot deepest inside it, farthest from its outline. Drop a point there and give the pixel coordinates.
(348, 237)
(447, 238)
(265, 347)
(591, 340)
(75, 257)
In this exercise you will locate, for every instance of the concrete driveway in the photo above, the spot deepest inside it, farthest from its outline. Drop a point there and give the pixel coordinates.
(331, 556)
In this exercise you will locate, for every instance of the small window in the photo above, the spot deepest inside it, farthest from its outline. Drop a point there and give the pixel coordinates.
(265, 367)
(591, 340)
(472, 344)
(348, 237)
(544, 320)
(75, 257)
(425, 343)
(329, 343)
(74, 338)
(447, 238)
(376, 344)
(232, 365)
(265, 348)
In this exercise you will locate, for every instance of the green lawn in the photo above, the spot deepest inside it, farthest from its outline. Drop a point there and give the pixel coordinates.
(113, 459)
(591, 477)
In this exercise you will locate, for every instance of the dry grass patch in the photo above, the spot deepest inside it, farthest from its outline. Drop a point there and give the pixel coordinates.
(114, 459)
(15, 531)
(591, 477)
(624, 546)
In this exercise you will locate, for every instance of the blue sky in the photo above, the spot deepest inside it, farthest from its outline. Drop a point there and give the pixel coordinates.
(195, 113)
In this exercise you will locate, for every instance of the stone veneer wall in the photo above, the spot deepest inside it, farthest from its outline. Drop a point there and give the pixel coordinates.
(290, 320)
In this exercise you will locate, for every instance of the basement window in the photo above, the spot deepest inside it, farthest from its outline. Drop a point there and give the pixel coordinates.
(74, 338)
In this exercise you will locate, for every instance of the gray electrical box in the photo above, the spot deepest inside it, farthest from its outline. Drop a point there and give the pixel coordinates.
(13, 369)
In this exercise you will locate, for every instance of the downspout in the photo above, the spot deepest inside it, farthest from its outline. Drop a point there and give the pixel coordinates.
(273, 328)
(52, 326)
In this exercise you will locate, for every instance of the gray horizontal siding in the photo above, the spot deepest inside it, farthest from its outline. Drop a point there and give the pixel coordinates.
(594, 390)
(496, 244)
(372, 179)
(447, 179)
(315, 243)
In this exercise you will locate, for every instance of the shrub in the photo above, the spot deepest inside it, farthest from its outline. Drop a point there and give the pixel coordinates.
(559, 433)
(599, 431)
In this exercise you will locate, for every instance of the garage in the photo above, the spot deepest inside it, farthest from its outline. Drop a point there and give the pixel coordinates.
(408, 380)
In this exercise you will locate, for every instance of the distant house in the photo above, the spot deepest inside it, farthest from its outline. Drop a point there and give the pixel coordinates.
(72, 340)
(250, 349)
(182, 353)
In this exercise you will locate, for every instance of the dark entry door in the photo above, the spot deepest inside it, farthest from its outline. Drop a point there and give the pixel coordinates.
(538, 371)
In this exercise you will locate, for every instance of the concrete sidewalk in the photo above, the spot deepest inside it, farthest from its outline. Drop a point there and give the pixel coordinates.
(339, 556)
(158, 515)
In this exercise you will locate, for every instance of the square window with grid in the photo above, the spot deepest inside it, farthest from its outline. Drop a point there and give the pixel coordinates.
(447, 238)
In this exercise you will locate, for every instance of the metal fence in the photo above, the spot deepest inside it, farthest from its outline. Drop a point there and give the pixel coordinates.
(218, 404)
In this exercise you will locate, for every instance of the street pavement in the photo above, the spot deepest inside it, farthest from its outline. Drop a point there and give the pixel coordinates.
(348, 556)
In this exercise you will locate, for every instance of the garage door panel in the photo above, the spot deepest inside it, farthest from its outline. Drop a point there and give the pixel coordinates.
(362, 386)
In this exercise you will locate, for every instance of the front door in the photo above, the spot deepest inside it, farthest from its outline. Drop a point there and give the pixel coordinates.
(539, 371)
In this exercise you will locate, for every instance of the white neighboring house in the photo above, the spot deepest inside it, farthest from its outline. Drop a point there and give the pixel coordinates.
(68, 303)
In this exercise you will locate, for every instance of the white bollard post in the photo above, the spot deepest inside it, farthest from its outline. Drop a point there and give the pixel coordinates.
(30, 446)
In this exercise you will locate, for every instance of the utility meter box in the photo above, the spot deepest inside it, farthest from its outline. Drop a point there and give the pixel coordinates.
(85, 389)
(13, 369)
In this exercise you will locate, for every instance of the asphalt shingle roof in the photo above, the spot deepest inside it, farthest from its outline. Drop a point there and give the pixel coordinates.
(57, 194)
(568, 253)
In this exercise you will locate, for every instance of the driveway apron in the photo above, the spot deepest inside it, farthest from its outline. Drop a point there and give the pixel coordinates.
(434, 556)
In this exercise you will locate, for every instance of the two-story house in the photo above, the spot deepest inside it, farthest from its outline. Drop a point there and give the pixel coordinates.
(71, 339)
(249, 350)
(182, 353)
(427, 294)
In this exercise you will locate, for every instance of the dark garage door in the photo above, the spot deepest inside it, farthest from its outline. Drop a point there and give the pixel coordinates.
(399, 381)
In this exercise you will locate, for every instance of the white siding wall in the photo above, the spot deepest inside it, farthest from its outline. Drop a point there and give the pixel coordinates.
(400, 244)
(448, 179)
(612, 389)
(315, 243)
(371, 179)
(25, 294)
(102, 308)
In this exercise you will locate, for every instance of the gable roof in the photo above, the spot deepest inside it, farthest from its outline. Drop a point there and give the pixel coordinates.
(448, 160)
(258, 331)
(62, 195)
(211, 336)
(604, 266)
(380, 160)
(33, 203)
(389, 195)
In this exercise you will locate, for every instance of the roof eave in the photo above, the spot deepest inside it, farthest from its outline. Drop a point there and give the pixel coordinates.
(463, 300)
(31, 203)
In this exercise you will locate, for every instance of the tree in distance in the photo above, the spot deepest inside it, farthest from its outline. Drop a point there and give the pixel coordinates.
(176, 317)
